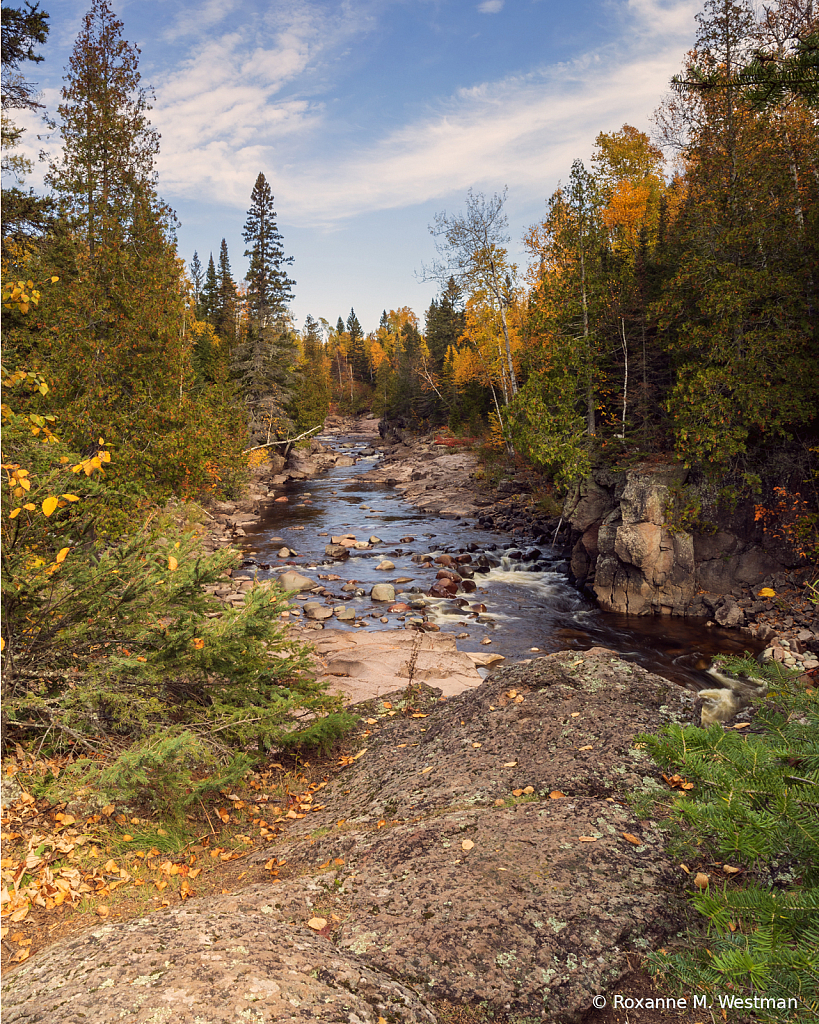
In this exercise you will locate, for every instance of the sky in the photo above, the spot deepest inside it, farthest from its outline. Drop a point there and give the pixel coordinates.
(368, 117)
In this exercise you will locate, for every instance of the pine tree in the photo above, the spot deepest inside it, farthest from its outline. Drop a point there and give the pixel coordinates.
(340, 326)
(269, 287)
(444, 323)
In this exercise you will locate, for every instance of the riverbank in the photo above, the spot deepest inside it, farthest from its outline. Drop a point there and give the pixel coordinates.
(782, 625)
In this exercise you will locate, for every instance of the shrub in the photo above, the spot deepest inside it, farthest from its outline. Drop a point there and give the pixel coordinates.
(755, 805)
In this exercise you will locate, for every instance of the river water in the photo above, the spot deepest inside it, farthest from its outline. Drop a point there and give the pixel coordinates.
(525, 607)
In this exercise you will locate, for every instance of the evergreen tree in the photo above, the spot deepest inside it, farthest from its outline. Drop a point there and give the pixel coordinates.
(106, 173)
(210, 292)
(445, 323)
(224, 314)
(269, 287)
(197, 279)
(111, 333)
(25, 214)
(355, 353)
(340, 326)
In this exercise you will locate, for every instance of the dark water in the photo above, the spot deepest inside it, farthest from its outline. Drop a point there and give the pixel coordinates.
(527, 612)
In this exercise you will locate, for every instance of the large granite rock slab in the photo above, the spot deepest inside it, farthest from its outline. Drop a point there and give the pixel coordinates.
(482, 853)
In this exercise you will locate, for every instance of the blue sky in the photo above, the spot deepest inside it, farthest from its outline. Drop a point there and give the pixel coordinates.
(369, 116)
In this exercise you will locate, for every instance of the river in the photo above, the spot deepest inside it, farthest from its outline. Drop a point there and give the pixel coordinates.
(530, 606)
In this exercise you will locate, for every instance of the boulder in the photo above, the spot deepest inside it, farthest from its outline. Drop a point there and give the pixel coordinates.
(386, 565)
(338, 551)
(383, 592)
(316, 611)
(292, 580)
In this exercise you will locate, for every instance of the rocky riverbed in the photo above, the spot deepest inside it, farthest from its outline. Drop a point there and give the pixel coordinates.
(776, 614)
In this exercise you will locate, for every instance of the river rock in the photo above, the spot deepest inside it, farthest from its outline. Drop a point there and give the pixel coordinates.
(375, 540)
(344, 612)
(361, 665)
(345, 460)
(292, 580)
(383, 592)
(386, 565)
(316, 611)
(361, 545)
(338, 551)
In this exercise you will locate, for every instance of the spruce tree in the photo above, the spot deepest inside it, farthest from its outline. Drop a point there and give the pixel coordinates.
(269, 288)
(210, 292)
(197, 278)
(225, 307)
(356, 354)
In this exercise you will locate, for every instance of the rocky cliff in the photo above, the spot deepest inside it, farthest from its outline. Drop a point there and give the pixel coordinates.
(639, 547)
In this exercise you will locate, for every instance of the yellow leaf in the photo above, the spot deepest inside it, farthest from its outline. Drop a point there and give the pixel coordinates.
(425, 770)
(49, 505)
(632, 839)
(467, 845)
(317, 923)
(172, 563)
(18, 915)
(587, 839)
(510, 764)
(30, 506)
(14, 513)
(25, 484)
(61, 555)
(54, 280)
(766, 592)
(2, 643)
(198, 643)
(70, 497)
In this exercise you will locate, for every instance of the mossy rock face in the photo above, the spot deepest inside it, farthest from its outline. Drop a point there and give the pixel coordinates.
(441, 885)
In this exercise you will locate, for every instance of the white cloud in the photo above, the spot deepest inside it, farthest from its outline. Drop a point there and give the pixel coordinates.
(491, 6)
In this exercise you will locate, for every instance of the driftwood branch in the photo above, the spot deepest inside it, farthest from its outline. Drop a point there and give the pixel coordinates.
(288, 440)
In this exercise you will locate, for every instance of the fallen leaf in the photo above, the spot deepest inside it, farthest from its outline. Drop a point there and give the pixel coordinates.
(18, 915)
(575, 714)
(517, 792)
(23, 954)
(339, 861)
(467, 844)
(701, 880)
(317, 923)
(557, 795)
(381, 824)
(185, 889)
(102, 911)
(742, 725)
(588, 746)
(425, 770)
(511, 694)
(528, 790)
(686, 868)
(587, 839)
(500, 803)
(476, 745)
(419, 714)
(729, 870)
(510, 764)
(632, 839)
(127, 838)
(372, 721)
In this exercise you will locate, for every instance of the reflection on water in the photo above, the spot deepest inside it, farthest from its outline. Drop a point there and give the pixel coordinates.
(530, 607)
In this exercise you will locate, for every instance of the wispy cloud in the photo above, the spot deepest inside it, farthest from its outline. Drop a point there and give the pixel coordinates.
(523, 130)
(491, 6)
